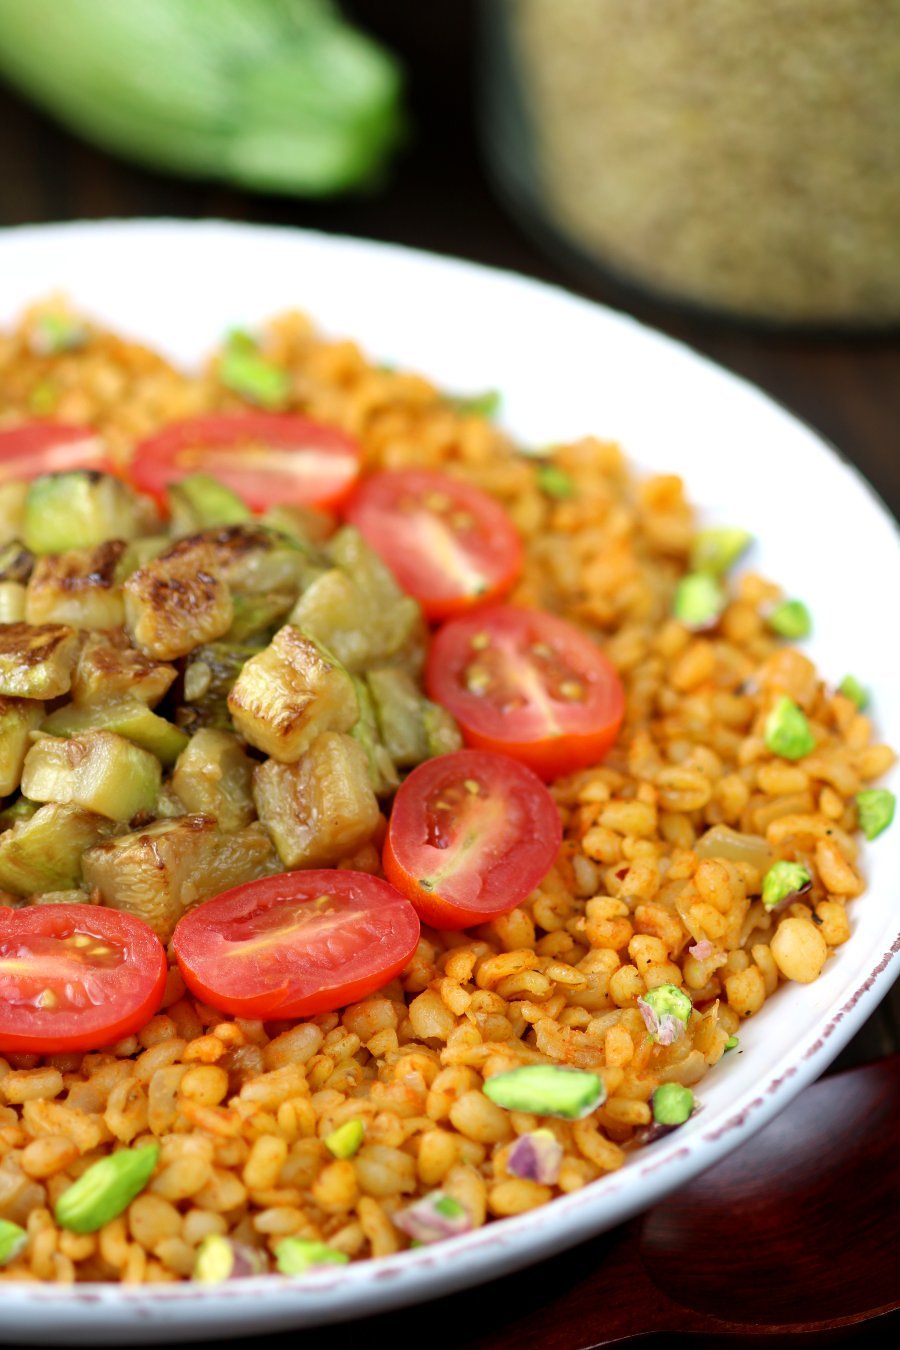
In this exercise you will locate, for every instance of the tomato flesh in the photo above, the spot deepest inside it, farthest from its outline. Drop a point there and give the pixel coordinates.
(529, 684)
(268, 459)
(449, 545)
(296, 944)
(76, 977)
(49, 447)
(470, 836)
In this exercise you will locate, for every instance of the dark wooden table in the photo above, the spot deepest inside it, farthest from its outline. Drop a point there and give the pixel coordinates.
(439, 198)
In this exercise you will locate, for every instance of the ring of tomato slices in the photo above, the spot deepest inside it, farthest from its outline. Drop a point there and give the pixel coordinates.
(528, 684)
(76, 977)
(266, 458)
(450, 546)
(470, 836)
(35, 448)
(295, 944)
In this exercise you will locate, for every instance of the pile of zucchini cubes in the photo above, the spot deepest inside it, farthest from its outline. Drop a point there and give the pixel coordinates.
(188, 706)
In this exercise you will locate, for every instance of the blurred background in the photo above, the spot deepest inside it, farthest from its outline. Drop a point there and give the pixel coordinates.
(729, 174)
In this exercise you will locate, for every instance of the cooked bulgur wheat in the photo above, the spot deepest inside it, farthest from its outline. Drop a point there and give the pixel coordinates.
(240, 1109)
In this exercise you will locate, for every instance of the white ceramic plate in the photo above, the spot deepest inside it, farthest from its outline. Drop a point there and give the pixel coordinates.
(565, 367)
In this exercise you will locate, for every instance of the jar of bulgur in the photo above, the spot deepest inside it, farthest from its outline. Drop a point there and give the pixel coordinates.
(738, 156)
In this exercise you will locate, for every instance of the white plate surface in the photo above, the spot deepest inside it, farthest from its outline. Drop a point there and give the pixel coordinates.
(565, 367)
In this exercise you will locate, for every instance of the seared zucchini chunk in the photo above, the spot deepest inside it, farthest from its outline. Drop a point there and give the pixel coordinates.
(12, 602)
(81, 509)
(356, 609)
(20, 809)
(321, 809)
(213, 777)
(16, 562)
(304, 524)
(209, 675)
(18, 718)
(382, 771)
(110, 668)
(12, 510)
(199, 502)
(176, 602)
(159, 872)
(128, 718)
(140, 552)
(36, 660)
(98, 771)
(79, 588)
(290, 693)
(412, 728)
(44, 851)
(76, 896)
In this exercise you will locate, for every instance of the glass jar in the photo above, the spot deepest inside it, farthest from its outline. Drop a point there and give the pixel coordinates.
(737, 156)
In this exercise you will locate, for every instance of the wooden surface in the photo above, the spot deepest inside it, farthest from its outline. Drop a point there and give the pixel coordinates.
(439, 198)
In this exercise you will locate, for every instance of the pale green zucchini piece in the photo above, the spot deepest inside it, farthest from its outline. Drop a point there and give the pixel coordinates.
(303, 524)
(76, 896)
(412, 728)
(213, 777)
(290, 693)
(110, 669)
(177, 602)
(200, 501)
(159, 872)
(12, 602)
(20, 809)
(80, 509)
(44, 852)
(18, 718)
(127, 718)
(210, 673)
(78, 588)
(36, 660)
(256, 614)
(321, 809)
(16, 562)
(12, 510)
(97, 771)
(382, 771)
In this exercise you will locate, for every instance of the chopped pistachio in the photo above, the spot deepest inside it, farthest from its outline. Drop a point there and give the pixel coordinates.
(783, 880)
(666, 1011)
(245, 372)
(790, 619)
(787, 732)
(851, 688)
(547, 1090)
(699, 600)
(220, 1258)
(43, 398)
(555, 482)
(106, 1189)
(731, 1044)
(672, 1104)
(12, 1241)
(876, 810)
(717, 549)
(55, 332)
(477, 405)
(346, 1139)
(295, 1256)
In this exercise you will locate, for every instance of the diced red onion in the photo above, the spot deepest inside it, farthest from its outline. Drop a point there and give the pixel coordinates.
(664, 1029)
(424, 1221)
(536, 1157)
(702, 951)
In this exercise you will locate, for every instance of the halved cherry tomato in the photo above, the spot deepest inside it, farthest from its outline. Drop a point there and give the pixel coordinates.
(295, 944)
(449, 545)
(76, 977)
(529, 684)
(470, 836)
(266, 458)
(49, 447)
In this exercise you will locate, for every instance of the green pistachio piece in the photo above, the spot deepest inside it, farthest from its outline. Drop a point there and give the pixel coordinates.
(783, 880)
(12, 1241)
(55, 333)
(346, 1139)
(851, 688)
(295, 1256)
(255, 379)
(666, 1011)
(106, 1189)
(547, 1090)
(555, 482)
(716, 550)
(699, 600)
(672, 1104)
(876, 808)
(731, 1044)
(43, 398)
(787, 732)
(790, 619)
(477, 405)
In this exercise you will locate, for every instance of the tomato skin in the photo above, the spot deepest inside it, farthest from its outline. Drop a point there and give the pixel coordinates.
(551, 735)
(274, 461)
(471, 834)
(235, 952)
(49, 447)
(448, 568)
(123, 996)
